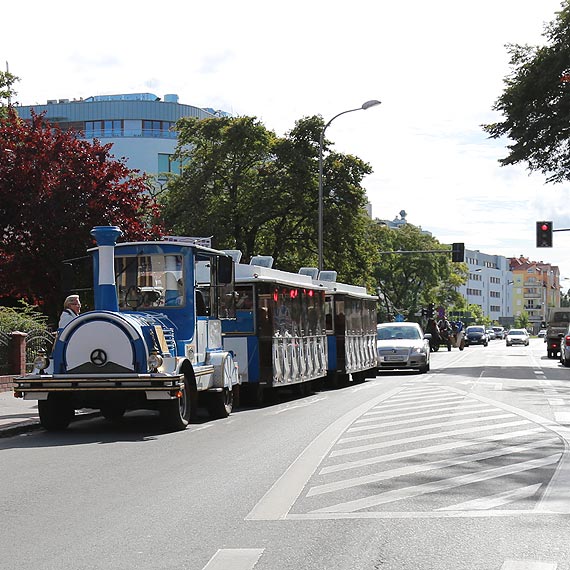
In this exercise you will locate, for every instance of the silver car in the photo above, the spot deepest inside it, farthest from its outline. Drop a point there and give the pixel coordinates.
(402, 345)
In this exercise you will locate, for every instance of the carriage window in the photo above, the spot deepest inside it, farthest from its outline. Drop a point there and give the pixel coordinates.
(149, 281)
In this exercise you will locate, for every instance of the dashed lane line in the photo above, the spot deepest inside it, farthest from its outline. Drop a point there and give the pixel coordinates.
(234, 559)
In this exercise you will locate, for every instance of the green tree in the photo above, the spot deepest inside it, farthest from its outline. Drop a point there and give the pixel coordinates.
(409, 281)
(522, 321)
(7, 92)
(536, 102)
(257, 192)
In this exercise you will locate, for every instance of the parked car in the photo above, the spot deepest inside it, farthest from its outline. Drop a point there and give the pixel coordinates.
(491, 334)
(565, 349)
(517, 336)
(476, 334)
(500, 332)
(402, 345)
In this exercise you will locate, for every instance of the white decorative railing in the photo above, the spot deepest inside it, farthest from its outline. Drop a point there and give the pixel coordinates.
(298, 359)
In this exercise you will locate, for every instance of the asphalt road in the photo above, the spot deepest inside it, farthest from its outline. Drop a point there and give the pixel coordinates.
(466, 467)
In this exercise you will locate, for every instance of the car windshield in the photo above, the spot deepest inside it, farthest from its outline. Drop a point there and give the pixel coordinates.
(475, 329)
(391, 333)
(516, 333)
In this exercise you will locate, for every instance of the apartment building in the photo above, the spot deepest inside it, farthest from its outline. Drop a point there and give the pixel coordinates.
(489, 285)
(536, 288)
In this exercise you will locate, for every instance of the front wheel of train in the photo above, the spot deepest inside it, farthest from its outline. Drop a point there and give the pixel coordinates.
(56, 412)
(175, 414)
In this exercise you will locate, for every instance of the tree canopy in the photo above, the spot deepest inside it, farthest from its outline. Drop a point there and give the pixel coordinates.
(257, 192)
(536, 102)
(54, 188)
(409, 281)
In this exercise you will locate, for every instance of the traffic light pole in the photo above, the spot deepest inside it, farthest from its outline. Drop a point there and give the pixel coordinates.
(457, 252)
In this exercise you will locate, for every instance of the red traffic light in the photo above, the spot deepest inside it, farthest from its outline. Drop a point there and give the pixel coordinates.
(543, 234)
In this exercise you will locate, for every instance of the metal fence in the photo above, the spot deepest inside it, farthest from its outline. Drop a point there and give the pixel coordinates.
(4, 353)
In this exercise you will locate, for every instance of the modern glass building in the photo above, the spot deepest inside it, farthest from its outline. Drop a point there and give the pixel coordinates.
(139, 125)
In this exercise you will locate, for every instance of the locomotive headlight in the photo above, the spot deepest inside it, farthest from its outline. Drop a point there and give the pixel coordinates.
(154, 361)
(41, 361)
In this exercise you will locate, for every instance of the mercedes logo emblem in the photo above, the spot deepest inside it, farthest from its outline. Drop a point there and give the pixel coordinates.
(98, 357)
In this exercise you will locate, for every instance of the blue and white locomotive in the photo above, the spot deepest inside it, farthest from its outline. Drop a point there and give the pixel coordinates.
(154, 340)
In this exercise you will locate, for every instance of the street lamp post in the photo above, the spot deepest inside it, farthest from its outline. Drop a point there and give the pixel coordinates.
(364, 106)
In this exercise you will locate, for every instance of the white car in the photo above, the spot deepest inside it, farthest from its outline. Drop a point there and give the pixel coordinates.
(517, 336)
(402, 345)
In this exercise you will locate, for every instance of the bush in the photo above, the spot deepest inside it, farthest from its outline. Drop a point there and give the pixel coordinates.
(24, 318)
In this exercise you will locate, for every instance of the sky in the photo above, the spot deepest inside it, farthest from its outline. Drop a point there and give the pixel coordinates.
(437, 67)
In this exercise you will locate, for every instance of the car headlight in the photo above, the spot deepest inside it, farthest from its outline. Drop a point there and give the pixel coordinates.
(154, 361)
(418, 350)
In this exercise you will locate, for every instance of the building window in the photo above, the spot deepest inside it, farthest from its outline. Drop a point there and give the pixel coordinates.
(107, 129)
(159, 129)
(167, 166)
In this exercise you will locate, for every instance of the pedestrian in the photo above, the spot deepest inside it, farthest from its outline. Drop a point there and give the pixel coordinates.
(71, 308)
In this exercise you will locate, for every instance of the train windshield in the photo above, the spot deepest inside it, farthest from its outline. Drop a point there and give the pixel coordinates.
(149, 281)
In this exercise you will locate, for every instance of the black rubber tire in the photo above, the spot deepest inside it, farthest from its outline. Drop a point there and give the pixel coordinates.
(176, 414)
(220, 404)
(56, 413)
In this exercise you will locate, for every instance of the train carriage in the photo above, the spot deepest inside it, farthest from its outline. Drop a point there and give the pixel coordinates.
(294, 328)
(278, 335)
(350, 317)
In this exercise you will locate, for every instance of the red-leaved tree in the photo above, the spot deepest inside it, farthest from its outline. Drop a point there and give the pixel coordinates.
(55, 187)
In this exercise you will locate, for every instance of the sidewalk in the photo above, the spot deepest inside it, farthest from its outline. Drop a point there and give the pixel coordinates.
(16, 414)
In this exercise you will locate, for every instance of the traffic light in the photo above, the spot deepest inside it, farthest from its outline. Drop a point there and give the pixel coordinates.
(458, 252)
(543, 234)
(431, 311)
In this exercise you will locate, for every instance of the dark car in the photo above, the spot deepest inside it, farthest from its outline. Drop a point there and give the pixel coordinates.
(476, 335)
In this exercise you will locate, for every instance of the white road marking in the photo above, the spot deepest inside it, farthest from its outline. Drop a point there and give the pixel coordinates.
(423, 428)
(528, 565)
(493, 501)
(275, 504)
(234, 559)
(372, 417)
(440, 435)
(562, 417)
(431, 487)
(450, 414)
(289, 407)
(417, 452)
(409, 401)
(415, 469)
(439, 403)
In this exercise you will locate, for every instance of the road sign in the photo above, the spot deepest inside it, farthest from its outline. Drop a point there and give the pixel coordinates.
(399, 318)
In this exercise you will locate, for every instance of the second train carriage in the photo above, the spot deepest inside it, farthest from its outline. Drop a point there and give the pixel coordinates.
(350, 318)
(292, 328)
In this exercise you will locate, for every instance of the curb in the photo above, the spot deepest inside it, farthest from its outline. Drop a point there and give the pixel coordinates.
(34, 425)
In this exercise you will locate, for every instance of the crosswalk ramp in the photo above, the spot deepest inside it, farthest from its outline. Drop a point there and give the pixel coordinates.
(428, 450)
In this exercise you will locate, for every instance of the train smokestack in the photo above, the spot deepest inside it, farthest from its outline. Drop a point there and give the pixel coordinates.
(105, 290)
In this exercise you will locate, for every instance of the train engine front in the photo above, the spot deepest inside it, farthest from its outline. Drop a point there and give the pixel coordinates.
(143, 347)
